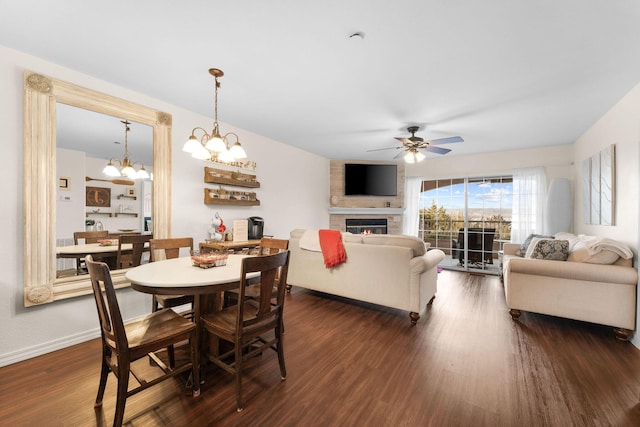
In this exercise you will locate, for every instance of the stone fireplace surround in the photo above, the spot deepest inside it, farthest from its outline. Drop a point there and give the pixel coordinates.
(363, 207)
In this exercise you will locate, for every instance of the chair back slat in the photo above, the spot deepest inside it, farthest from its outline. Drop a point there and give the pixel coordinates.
(104, 294)
(270, 246)
(269, 266)
(169, 248)
(133, 258)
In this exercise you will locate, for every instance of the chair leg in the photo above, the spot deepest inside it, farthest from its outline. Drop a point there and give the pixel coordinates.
(104, 375)
(195, 370)
(172, 357)
(280, 348)
(239, 360)
(121, 399)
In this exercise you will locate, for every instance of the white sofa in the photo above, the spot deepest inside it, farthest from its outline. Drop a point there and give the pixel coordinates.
(391, 270)
(598, 289)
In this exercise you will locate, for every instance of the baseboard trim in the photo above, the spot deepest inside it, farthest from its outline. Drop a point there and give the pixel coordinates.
(47, 347)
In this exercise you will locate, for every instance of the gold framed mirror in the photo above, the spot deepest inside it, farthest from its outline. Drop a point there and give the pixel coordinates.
(41, 93)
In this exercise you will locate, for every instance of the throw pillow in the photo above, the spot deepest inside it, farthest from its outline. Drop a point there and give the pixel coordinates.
(549, 249)
(525, 245)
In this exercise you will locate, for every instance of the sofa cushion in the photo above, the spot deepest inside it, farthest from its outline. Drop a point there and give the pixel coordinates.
(418, 246)
(525, 245)
(550, 249)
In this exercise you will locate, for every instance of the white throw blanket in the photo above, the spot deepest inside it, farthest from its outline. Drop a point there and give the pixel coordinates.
(310, 241)
(595, 244)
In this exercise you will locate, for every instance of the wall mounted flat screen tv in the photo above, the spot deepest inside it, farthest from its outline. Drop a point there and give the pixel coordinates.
(370, 180)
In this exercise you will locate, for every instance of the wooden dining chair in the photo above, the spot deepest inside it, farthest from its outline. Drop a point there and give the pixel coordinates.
(161, 249)
(252, 325)
(268, 246)
(122, 344)
(133, 257)
(85, 237)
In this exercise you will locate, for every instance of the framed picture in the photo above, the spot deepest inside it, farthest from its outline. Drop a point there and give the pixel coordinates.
(131, 192)
(64, 183)
(99, 196)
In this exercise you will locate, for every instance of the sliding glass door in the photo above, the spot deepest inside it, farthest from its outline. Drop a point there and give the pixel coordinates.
(467, 218)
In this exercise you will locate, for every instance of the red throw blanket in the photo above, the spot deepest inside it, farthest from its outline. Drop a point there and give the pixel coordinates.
(332, 247)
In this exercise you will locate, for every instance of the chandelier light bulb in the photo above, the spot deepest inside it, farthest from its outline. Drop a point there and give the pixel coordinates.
(111, 169)
(237, 151)
(191, 145)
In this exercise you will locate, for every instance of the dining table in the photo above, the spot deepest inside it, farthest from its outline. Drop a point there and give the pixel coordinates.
(178, 276)
(99, 251)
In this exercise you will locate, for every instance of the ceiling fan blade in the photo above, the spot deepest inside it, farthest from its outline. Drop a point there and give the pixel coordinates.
(380, 149)
(437, 150)
(448, 140)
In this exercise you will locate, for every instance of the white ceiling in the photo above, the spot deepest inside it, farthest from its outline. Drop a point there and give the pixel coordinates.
(503, 74)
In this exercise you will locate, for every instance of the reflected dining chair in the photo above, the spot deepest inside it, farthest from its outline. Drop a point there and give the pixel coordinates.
(122, 344)
(133, 257)
(86, 237)
(251, 325)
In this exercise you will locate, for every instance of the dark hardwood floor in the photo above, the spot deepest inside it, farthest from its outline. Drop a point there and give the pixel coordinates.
(466, 363)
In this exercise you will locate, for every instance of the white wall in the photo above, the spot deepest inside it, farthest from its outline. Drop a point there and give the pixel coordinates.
(294, 189)
(620, 126)
(557, 160)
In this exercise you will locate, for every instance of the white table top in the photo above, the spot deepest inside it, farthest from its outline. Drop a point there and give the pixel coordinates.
(90, 248)
(178, 275)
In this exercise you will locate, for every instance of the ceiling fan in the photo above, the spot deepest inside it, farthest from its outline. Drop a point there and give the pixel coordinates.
(411, 146)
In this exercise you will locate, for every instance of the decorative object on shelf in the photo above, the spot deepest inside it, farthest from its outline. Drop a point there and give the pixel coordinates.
(237, 178)
(214, 145)
(98, 196)
(222, 196)
(217, 229)
(127, 167)
(239, 163)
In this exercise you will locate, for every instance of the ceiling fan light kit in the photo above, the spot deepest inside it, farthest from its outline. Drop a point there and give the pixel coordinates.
(413, 145)
(213, 144)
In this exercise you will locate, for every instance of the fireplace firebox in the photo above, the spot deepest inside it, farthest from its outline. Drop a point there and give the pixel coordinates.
(366, 225)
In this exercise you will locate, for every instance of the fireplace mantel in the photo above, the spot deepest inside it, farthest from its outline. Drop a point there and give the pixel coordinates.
(366, 211)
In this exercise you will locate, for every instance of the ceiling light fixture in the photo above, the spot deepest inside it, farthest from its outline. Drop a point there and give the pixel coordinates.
(127, 167)
(413, 156)
(213, 145)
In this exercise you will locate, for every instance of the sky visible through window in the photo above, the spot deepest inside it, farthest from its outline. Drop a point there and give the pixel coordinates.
(489, 194)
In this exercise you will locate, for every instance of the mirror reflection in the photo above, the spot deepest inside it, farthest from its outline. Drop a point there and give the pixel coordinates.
(94, 208)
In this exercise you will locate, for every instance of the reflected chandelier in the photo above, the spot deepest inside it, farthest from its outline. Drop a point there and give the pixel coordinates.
(213, 145)
(127, 167)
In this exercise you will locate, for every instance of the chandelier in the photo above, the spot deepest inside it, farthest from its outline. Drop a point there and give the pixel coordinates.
(127, 167)
(213, 145)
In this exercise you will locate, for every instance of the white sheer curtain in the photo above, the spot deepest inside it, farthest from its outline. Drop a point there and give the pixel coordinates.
(529, 199)
(412, 206)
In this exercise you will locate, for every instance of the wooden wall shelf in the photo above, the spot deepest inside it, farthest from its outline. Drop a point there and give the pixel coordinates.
(125, 196)
(126, 214)
(99, 213)
(238, 179)
(208, 200)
